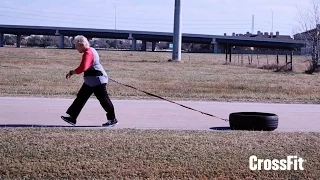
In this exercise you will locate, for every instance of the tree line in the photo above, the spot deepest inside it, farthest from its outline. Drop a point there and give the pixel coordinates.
(53, 41)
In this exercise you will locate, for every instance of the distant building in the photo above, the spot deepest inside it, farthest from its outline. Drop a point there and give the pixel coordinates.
(246, 50)
(264, 35)
(309, 36)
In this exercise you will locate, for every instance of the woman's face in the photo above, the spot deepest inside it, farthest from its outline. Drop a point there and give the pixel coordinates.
(81, 48)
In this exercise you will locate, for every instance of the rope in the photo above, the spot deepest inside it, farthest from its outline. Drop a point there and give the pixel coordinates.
(168, 100)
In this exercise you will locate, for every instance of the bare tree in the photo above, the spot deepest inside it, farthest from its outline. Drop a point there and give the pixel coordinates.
(309, 28)
(49, 41)
(9, 40)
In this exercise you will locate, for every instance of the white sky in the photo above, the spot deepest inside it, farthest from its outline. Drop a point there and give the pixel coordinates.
(213, 17)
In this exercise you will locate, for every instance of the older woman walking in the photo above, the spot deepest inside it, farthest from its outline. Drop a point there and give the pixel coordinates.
(95, 82)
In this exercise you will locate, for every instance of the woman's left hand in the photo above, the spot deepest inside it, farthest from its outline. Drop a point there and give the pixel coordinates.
(69, 74)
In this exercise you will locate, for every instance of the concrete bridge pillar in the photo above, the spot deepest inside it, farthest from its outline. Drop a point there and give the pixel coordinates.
(220, 48)
(144, 45)
(73, 45)
(1, 39)
(214, 45)
(133, 44)
(154, 44)
(217, 48)
(18, 40)
(61, 41)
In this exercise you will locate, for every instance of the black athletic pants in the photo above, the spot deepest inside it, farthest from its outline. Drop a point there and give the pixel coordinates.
(83, 95)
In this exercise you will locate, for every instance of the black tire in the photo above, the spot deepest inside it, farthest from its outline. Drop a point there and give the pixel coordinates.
(254, 121)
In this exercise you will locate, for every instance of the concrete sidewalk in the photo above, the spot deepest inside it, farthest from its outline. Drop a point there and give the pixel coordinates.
(143, 114)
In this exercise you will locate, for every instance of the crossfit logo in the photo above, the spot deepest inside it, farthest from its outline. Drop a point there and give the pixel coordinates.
(290, 163)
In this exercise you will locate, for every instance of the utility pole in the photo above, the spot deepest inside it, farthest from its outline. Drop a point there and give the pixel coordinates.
(177, 34)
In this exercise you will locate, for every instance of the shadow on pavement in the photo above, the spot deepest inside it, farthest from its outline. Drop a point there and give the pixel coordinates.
(45, 126)
(221, 128)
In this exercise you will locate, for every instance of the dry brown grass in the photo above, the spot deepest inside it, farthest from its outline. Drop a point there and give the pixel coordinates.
(41, 72)
(41, 153)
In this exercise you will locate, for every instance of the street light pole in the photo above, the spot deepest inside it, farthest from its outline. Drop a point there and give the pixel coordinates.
(177, 34)
(115, 16)
(272, 20)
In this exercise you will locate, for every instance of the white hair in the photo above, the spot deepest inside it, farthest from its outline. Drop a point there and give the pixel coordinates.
(81, 40)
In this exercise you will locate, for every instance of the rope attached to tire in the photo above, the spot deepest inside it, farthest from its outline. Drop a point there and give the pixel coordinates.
(168, 100)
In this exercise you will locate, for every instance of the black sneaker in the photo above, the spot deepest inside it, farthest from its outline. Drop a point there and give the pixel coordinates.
(110, 122)
(69, 120)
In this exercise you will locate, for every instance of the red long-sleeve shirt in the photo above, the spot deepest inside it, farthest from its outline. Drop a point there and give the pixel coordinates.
(86, 62)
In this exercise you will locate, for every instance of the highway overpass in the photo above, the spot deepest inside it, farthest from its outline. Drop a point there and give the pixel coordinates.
(220, 43)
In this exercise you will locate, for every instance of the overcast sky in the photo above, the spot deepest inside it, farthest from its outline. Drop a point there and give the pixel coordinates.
(213, 17)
